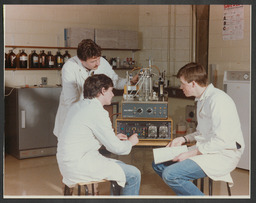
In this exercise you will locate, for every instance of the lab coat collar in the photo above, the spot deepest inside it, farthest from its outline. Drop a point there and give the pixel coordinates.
(84, 71)
(94, 100)
(207, 91)
(78, 61)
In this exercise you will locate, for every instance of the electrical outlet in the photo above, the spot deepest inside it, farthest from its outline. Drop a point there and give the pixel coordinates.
(44, 80)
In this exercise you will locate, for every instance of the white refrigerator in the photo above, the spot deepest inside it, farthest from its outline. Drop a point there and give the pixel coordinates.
(237, 84)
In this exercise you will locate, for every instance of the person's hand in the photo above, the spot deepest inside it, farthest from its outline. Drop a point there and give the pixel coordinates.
(178, 141)
(122, 136)
(134, 139)
(185, 155)
(134, 80)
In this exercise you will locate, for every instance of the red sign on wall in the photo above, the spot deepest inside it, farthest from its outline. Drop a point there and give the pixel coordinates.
(233, 22)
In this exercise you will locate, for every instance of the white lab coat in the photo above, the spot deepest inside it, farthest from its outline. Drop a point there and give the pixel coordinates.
(86, 128)
(217, 132)
(73, 76)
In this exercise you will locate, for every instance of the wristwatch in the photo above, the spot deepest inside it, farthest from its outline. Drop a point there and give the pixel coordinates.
(186, 141)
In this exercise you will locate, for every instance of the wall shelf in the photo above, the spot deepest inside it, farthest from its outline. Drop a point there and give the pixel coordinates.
(49, 47)
(56, 68)
(59, 48)
(37, 47)
(32, 69)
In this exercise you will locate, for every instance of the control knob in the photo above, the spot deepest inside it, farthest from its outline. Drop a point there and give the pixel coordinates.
(191, 114)
(149, 110)
(139, 110)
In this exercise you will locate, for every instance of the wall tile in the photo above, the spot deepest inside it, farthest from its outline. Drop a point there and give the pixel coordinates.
(160, 20)
(182, 32)
(231, 55)
(216, 12)
(215, 54)
(165, 33)
(146, 32)
(184, 9)
(182, 55)
(182, 43)
(183, 20)
(156, 33)
(159, 44)
(145, 20)
(156, 55)
(146, 44)
(215, 27)
(217, 41)
(164, 55)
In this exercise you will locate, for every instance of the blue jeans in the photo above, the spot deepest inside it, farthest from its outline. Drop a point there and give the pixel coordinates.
(178, 176)
(133, 177)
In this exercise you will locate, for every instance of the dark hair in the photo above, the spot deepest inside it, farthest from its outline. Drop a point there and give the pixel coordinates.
(93, 85)
(194, 72)
(88, 49)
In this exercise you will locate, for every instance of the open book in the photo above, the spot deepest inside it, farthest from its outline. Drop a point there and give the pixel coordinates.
(164, 154)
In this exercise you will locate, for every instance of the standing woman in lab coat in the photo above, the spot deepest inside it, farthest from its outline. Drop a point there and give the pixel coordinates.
(88, 127)
(75, 71)
(219, 139)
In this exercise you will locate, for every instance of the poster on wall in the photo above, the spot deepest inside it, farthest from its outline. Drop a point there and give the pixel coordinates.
(233, 22)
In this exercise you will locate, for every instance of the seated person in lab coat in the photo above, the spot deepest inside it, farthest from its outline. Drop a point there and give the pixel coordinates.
(88, 127)
(219, 140)
(75, 71)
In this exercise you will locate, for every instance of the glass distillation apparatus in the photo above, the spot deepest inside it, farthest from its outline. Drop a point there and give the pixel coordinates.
(143, 89)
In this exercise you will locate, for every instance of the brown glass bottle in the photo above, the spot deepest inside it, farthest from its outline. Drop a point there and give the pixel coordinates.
(42, 59)
(11, 59)
(5, 60)
(23, 59)
(66, 56)
(58, 60)
(18, 59)
(49, 60)
(33, 59)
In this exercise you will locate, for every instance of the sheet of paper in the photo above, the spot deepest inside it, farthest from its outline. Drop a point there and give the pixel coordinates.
(164, 154)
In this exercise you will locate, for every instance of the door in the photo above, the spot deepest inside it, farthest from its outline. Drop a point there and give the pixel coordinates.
(37, 110)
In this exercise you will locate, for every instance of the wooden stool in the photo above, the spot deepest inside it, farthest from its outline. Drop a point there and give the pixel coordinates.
(210, 186)
(115, 187)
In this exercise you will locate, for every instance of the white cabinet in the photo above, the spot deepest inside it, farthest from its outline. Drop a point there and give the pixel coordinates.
(237, 86)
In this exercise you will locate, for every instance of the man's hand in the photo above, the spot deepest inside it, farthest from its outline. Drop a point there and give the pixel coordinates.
(178, 141)
(135, 79)
(185, 155)
(122, 136)
(134, 139)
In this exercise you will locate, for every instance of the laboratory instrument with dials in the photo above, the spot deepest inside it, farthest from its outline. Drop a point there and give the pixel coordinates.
(144, 110)
(140, 100)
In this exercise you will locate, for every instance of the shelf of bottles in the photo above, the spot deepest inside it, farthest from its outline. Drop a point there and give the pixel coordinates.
(41, 61)
(35, 61)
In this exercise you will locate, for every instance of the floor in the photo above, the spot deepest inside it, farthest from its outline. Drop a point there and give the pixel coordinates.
(40, 176)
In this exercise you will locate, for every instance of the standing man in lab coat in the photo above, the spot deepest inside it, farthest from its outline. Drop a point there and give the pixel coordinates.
(219, 140)
(88, 127)
(75, 71)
